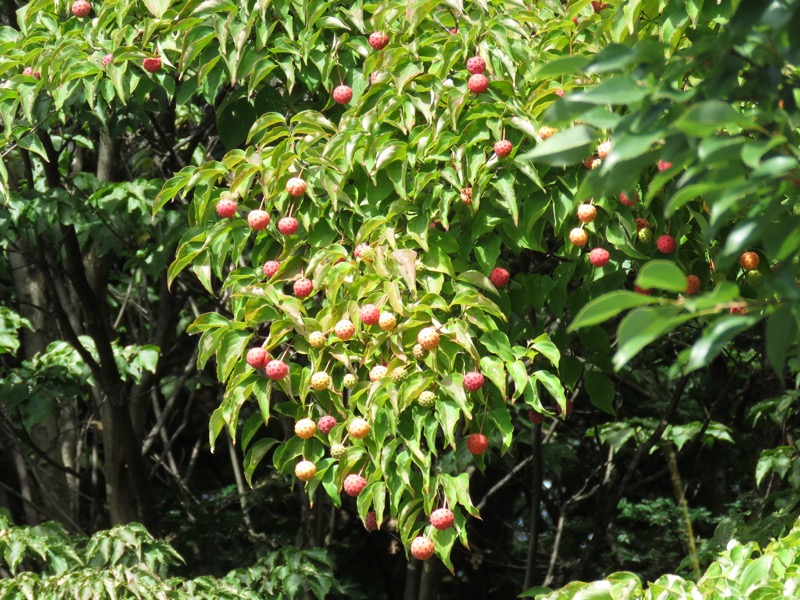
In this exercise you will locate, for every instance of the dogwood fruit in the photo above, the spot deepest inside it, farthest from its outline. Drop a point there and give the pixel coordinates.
(305, 428)
(442, 518)
(358, 428)
(354, 484)
(277, 369)
(422, 548)
(477, 443)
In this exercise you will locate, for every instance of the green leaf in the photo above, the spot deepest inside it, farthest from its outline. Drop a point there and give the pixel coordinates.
(607, 306)
(564, 148)
(493, 368)
(703, 119)
(553, 385)
(661, 275)
(781, 335)
(618, 90)
(601, 391)
(715, 337)
(255, 455)
(561, 66)
(157, 8)
(642, 327)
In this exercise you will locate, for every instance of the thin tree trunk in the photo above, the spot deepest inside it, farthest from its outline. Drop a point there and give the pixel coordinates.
(536, 509)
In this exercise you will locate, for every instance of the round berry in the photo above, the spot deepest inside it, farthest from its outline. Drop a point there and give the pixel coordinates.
(499, 277)
(473, 381)
(578, 236)
(442, 518)
(325, 424)
(354, 484)
(342, 94)
(477, 443)
(226, 208)
(296, 187)
(364, 252)
(303, 287)
(107, 59)
(387, 321)
(344, 329)
(629, 200)
(358, 428)
(305, 428)
(645, 236)
(320, 381)
(371, 521)
(427, 399)
(377, 372)
(466, 195)
(666, 244)
(271, 267)
(370, 314)
(378, 40)
(305, 470)
(399, 375)
(503, 148)
(476, 65)
(349, 381)
(692, 284)
(546, 132)
(277, 369)
(152, 64)
(663, 165)
(599, 257)
(258, 220)
(338, 451)
(257, 358)
(535, 417)
(749, 261)
(603, 149)
(288, 225)
(316, 339)
(478, 83)
(428, 338)
(81, 8)
(418, 351)
(587, 213)
(753, 278)
(641, 223)
(422, 548)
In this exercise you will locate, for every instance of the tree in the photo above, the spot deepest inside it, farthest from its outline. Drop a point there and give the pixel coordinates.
(400, 218)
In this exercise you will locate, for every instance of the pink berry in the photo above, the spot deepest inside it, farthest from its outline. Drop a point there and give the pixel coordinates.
(666, 244)
(422, 548)
(81, 8)
(226, 208)
(296, 187)
(476, 65)
(303, 287)
(288, 225)
(325, 424)
(378, 40)
(692, 284)
(108, 59)
(628, 200)
(473, 381)
(277, 369)
(257, 358)
(354, 484)
(442, 518)
(344, 329)
(370, 314)
(503, 148)
(477, 443)
(478, 83)
(371, 521)
(342, 94)
(152, 64)
(663, 165)
(560, 93)
(499, 277)
(258, 219)
(599, 257)
(271, 267)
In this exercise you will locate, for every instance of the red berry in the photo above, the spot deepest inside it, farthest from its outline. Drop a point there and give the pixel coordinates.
(535, 417)
(663, 165)
(560, 93)
(666, 244)
(152, 64)
(344, 329)
(363, 251)
(570, 406)
(226, 208)
(476, 65)
(598, 6)
(499, 277)
(599, 257)
(587, 213)
(692, 284)
(503, 148)
(258, 219)
(473, 381)
(478, 83)
(277, 369)
(325, 424)
(371, 521)
(303, 287)
(477, 443)
(370, 314)
(422, 548)
(271, 267)
(442, 518)
(296, 187)
(257, 358)
(342, 94)
(107, 59)
(354, 484)
(749, 261)
(629, 200)
(288, 225)
(642, 291)
(81, 8)
(641, 223)
(378, 40)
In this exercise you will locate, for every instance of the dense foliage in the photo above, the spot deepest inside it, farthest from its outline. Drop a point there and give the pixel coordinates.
(390, 208)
